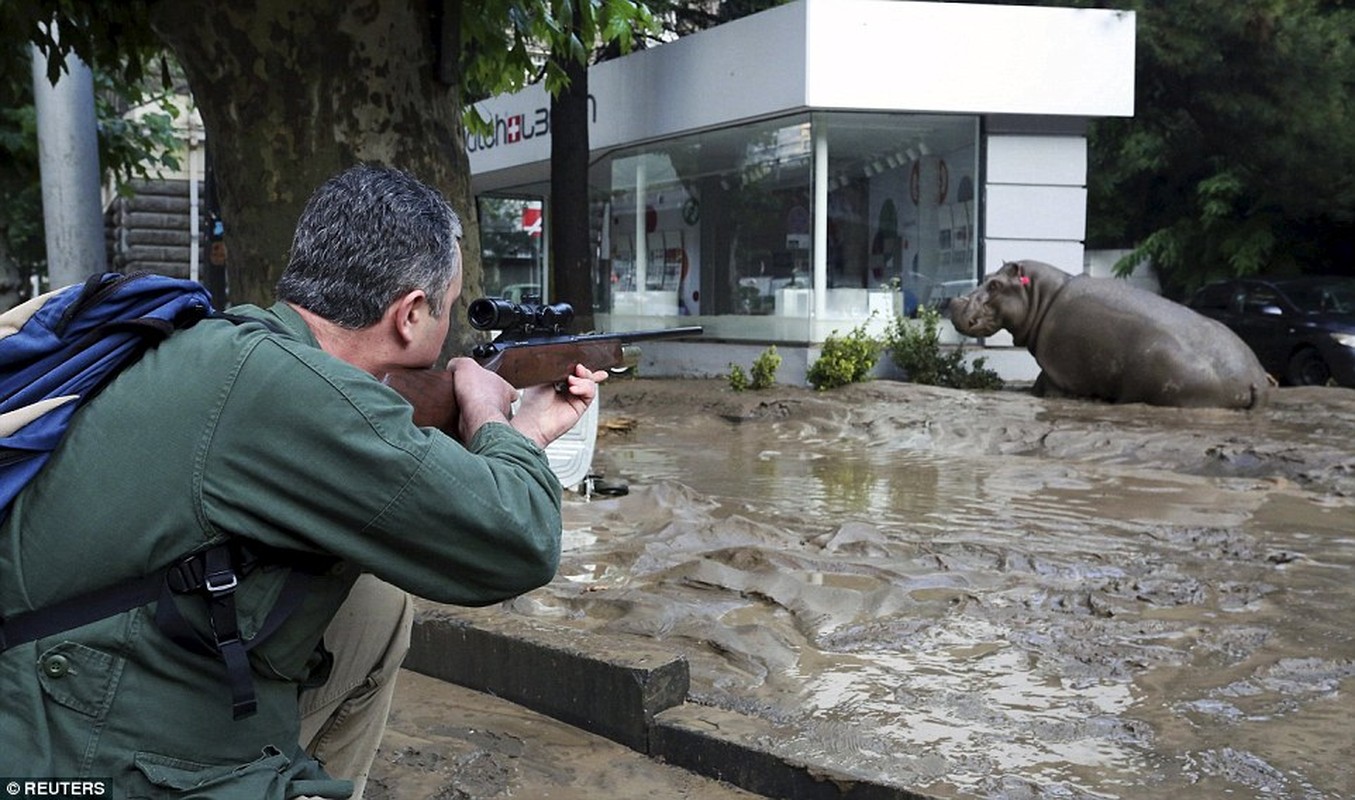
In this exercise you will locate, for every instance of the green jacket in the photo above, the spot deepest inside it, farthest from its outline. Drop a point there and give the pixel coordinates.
(238, 430)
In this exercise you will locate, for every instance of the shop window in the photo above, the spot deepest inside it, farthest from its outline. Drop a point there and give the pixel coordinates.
(721, 224)
(511, 236)
(717, 224)
(901, 204)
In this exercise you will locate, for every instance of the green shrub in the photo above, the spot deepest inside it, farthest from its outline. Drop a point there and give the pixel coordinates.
(844, 359)
(978, 376)
(764, 372)
(916, 349)
(738, 379)
(764, 368)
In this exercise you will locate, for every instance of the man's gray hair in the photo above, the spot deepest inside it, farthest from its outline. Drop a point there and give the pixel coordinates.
(367, 236)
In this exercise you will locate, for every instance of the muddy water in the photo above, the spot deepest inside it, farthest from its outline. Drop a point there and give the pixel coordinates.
(991, 595)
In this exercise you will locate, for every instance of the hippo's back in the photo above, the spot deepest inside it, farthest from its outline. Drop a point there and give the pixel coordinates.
(1195, 360)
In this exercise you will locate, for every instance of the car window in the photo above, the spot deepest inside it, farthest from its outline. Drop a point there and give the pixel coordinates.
(1260, 297)
(1216, 297)
(1307, 298)
(1337, 297)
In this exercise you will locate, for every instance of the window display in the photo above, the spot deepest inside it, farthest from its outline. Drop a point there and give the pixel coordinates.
(722, 223)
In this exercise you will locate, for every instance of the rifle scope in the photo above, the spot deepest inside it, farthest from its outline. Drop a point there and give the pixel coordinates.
(498, 314)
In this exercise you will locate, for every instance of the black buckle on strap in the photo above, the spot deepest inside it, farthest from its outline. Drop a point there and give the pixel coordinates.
(186, 575)
(220, 582)
(211, 570)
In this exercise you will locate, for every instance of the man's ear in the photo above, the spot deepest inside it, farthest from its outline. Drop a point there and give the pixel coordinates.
(408, 312)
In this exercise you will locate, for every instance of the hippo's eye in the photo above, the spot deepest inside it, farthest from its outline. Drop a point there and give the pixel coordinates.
(994, 285)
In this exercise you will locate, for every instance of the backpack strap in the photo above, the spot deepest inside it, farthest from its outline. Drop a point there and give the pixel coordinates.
(213, 574)
(79, 610)
(219, 580)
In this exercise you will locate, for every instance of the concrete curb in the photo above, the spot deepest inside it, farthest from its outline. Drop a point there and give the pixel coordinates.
(553, 671)
(630, 692)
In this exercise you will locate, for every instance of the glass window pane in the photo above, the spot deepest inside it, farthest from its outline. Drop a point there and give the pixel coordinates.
(721, 224)
(510, 246)
(718, 225)
(902, 206)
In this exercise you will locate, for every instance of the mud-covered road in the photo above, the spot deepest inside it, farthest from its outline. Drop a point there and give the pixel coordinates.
(989, 594)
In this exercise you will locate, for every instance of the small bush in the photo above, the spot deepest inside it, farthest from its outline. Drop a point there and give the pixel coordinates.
(844, 359)
(764, 368)
(916, 349)
(764, 372)
(738, 379)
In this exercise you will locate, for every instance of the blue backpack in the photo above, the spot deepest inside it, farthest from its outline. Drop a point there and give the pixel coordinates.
(57, 352)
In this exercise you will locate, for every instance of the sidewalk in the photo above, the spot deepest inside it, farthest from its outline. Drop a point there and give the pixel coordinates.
(451, 743)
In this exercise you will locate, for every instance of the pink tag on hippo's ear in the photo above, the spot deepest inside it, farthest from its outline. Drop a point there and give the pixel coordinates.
(1025, 280)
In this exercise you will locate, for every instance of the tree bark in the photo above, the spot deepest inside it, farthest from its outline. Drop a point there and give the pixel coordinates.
(294, 92)
(570, 232)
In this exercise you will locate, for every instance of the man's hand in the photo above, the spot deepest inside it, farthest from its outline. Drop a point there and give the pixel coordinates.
(545, 414)
(481, 396)
(548, 412)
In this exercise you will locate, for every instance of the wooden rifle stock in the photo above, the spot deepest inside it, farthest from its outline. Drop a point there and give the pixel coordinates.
(523, 362)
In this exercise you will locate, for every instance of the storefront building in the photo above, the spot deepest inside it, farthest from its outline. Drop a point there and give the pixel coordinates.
(814, 167)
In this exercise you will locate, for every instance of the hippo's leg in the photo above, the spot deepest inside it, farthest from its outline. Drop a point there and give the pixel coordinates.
(1045, 387)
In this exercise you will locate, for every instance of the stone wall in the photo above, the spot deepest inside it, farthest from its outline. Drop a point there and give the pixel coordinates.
(150, 230)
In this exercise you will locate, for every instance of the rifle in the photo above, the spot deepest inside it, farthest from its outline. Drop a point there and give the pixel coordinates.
(531, 349)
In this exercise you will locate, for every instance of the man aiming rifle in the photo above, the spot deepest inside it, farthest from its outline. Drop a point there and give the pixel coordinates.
(250, 457)
(532, 348)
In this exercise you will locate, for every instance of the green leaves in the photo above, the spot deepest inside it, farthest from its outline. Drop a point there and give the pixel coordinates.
(915, 347)
(844, 359)
(130, 145)
(111, 37)
(1240, 158)
(509, 44)
(1220, 195)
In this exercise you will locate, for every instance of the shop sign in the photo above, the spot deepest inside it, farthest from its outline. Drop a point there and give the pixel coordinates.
(516, 128)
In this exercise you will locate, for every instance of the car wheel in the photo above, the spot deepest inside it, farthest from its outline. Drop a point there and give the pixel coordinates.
(1306, 368)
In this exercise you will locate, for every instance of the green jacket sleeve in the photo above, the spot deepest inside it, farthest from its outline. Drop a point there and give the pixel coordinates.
(307, 451)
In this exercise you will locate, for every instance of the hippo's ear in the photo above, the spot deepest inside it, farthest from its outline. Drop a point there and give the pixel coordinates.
(1021, 275)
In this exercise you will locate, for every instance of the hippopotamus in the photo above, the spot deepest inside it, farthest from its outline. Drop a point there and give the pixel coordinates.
(1103, 339)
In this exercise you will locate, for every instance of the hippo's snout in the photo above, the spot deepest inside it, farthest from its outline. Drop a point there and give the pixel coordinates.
(972, 315)
(963, 313)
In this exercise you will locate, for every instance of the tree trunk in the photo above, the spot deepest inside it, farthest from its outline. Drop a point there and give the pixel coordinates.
(292, 93)
(570, 232)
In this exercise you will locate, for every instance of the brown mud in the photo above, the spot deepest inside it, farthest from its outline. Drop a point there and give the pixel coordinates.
(989, 594)
(446, 742)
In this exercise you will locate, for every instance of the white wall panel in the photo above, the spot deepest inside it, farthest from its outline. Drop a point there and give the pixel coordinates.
(1050, 160)
(962, 57)
(1036, 212)
(752, 67)
(1066, 255)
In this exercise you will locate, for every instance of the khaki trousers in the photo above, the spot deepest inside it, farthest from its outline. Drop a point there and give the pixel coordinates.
(342, 721)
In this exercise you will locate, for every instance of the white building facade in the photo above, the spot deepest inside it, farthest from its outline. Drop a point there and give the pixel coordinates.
(814, 167)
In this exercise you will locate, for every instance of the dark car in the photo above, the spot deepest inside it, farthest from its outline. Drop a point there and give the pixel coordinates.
(1302, 329)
